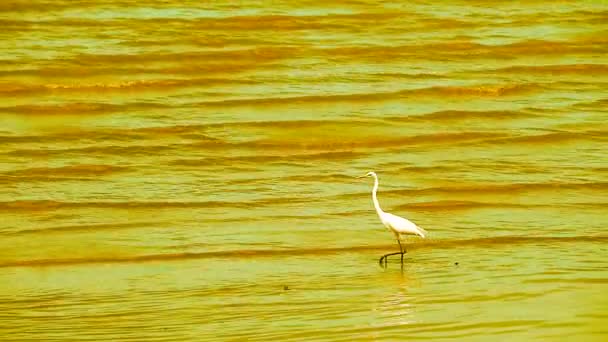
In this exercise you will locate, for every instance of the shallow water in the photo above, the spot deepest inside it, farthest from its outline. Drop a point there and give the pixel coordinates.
(185, 171)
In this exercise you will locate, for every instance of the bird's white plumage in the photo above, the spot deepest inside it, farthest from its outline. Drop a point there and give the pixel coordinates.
(398, 225)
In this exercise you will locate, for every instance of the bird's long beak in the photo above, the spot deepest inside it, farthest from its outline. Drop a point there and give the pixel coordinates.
(362, 176)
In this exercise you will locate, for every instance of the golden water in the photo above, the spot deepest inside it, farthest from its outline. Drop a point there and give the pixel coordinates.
(184, 170)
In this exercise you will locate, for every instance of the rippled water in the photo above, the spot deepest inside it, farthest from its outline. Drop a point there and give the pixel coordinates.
(185, 171)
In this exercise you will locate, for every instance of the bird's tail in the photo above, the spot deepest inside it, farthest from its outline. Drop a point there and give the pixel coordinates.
(421, 232)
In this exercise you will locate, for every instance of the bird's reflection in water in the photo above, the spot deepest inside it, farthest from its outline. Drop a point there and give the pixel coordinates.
(397, 307)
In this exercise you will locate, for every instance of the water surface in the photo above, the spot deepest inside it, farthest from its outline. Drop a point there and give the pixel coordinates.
(185, 171)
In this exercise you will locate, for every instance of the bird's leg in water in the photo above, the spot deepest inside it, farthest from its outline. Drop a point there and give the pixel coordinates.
(401, 252)
(385, 257)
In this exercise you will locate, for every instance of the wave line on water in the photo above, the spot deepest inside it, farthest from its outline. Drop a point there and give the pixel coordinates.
(248, 254)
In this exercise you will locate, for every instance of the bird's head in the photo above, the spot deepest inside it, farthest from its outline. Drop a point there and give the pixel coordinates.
(369, 174)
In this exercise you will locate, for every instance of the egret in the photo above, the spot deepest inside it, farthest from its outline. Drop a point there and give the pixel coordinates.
(397, 225)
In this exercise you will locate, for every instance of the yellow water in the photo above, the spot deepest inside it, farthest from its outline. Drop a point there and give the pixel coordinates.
(184, 170)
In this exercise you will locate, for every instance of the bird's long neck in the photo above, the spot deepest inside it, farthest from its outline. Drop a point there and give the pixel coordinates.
(375, 197)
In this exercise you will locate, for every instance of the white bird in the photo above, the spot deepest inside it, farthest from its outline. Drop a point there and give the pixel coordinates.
(397, 225)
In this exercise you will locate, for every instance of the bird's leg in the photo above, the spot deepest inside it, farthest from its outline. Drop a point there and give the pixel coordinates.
(401, 252)
(400, 249)
(385, 257)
